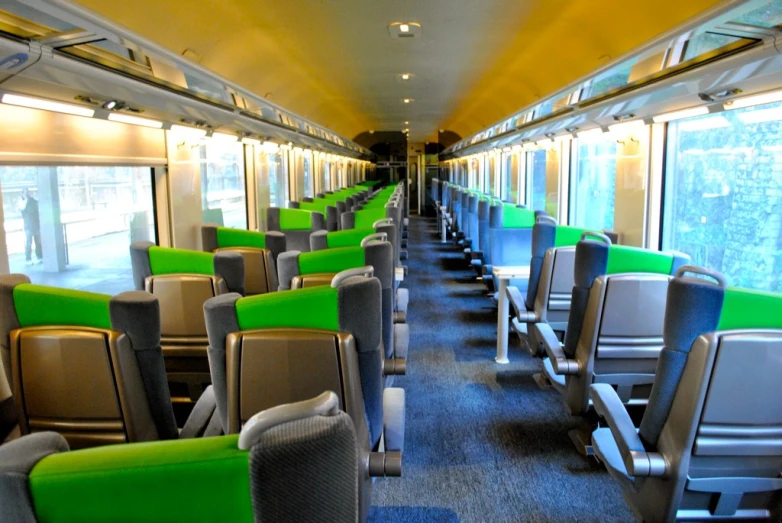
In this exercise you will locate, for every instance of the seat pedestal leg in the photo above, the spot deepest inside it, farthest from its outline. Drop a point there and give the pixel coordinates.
(582, 439)
(541, 380)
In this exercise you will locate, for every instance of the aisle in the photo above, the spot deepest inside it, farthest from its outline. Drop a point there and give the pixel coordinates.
(483, 442)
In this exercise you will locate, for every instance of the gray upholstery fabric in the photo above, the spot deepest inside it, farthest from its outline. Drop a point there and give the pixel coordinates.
(229, 266)
(209, 238)
(199, 419)
(318, 223)
(275, 242)
(693, 307)
(544, 236)
(473, 231)
(319, 241)
(349, 220)
(380, 255)
(287, 269)
(332, 223)
(350, 201)
(273, 219)
(293, 205)
(299, 240)
(591, 262)
(360, 314)
(137, 314)
(221, 320)
(17, 459)
(139, 261)
(306, 471)
(8, 322)
(307, 199)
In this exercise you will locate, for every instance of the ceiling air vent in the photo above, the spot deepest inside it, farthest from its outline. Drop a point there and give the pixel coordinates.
(404, 30)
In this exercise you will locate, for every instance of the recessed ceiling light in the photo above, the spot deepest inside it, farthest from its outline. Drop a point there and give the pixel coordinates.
(406, 122)
(407, 100)
(404, 29)
(405, 76)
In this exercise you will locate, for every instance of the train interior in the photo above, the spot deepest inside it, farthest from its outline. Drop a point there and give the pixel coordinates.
(444, 261)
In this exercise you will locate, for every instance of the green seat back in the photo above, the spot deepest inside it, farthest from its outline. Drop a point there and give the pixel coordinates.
(750, 309)
(42, 305)
(228, 237)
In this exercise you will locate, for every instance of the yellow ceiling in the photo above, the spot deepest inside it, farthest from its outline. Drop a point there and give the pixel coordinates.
(333, 61)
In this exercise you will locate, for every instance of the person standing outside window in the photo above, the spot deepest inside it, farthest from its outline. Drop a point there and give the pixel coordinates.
(32, 227)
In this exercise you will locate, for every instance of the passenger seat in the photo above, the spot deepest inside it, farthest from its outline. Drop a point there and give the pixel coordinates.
(709, 447)
(183, 280)
(90, 366)
(276, 348)
(296, 225)
(259, 250)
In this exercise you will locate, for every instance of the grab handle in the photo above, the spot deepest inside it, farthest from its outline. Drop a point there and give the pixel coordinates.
(598, 235)
(378, 236)
(703, 271)
(338, 278)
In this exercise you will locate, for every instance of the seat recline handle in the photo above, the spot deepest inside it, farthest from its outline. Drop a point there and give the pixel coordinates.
(327, 404)
(596, 235)
(546, 219)
(378, 236)
(338, 278)
(383, 221)
(721, 280)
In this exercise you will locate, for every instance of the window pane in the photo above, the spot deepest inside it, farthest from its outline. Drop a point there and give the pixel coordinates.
(722, 197)
(770, 15)
(308, 180)
(544, 181)
(609, 184)
(75, 224)
(223, 195)
(703, 43)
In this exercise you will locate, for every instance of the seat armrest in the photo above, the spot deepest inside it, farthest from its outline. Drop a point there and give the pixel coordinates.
(394, 419)
(638, 462)
(559, 361)
(518, 304)
(198, 422)
(476, 254)
(401, 340)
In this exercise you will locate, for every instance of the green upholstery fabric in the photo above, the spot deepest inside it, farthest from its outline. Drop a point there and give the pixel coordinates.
(317, 205)
(366, 217)
(567, 236)
(331, 260)
(750, 309)
(228, 237)
(347, 238)
(295, 220)
(369, 183)
(517, 218)
(314, 308)
(622, 258)
(196, 480)
(41, 305)
(165, 260)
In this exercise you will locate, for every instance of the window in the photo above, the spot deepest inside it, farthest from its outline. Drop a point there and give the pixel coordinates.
(543, 191)
(309, 180)
(723, 202)
(326, 170)
(510, 178)
(75, 224)
(609, 184)
(223, 194)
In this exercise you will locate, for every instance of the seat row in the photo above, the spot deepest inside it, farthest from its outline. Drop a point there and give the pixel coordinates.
(192, 354)
(672, 371)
